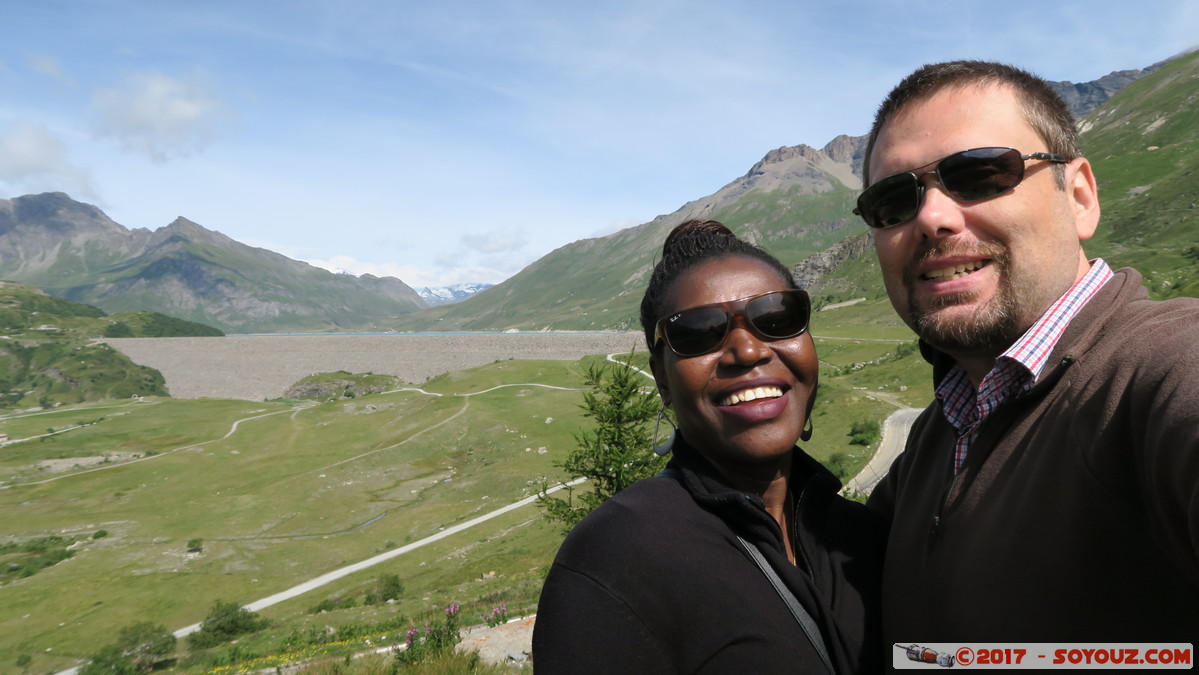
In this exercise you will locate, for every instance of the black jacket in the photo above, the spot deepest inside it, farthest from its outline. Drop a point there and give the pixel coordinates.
(655, 581)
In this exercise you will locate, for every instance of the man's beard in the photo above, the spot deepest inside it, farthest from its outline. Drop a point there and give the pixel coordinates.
(991, 329)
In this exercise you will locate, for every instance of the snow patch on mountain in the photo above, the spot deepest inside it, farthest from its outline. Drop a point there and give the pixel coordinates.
(446, 295)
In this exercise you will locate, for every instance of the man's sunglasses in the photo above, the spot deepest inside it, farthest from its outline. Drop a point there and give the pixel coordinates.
(967, 176)
(776, 315)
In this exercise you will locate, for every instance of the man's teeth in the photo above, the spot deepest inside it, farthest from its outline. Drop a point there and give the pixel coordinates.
(751, 395)
(954, 271)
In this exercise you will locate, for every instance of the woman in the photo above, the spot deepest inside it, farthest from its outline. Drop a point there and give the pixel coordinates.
(662, 578)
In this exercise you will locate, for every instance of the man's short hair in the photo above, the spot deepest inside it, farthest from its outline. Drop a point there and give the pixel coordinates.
(1043, 109)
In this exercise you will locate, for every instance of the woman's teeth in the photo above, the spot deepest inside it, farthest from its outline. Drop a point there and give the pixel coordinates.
(953, 271)
(747, 395)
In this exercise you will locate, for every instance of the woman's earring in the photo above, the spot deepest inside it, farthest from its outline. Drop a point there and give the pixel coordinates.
(806, 434)
(663, 449)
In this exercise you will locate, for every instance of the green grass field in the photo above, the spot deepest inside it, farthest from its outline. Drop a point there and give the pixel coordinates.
(284, 491)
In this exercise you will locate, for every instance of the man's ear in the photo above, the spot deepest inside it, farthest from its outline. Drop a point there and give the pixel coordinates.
(655, 367)
(1084, 198)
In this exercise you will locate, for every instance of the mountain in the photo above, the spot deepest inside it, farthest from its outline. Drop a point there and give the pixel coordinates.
(797, 202)
(1085, 97)
(74, 251)
(447, 295)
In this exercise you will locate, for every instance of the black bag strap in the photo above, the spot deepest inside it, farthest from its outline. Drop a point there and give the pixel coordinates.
(797, 609)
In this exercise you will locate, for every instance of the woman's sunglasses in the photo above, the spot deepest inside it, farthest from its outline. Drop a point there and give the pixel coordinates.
(777, 315)
(967, 176)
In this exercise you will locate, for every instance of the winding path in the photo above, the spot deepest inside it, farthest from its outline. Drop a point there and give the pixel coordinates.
(114, 465)
(894, 433)
(317, 582)
(328, 577)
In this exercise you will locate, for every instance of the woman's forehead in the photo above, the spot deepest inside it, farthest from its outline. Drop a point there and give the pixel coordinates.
(730, 277)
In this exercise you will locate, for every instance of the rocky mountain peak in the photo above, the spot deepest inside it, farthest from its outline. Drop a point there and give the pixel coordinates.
(847, 150)
(782, 155)
(57, 213)
(182, 229)
(812, 171)
(187, 229)
(1084, 97)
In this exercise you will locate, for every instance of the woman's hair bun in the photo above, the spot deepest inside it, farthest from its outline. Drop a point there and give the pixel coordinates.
(686, 234)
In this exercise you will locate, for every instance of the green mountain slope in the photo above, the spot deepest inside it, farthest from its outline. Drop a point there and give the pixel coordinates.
(48, 357)
(1144, 150)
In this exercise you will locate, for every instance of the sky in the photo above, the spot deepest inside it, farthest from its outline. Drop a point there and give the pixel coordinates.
(453, 141)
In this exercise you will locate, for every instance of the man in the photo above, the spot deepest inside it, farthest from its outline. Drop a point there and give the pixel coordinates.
(1050, 493)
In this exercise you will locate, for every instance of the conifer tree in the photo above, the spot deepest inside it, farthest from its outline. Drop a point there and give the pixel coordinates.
(616, 452)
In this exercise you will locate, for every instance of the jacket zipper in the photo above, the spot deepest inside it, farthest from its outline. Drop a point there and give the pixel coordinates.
(796, 542)
(935, 529)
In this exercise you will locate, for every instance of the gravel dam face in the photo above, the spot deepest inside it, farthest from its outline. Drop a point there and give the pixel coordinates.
(262, 367)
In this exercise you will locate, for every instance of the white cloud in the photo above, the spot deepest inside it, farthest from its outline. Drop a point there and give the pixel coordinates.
(33, 159)
(50, 67)
(493, 242)
(415, 277)
(344, 264)
(160, 116)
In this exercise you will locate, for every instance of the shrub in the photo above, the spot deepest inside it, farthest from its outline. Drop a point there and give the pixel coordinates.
(110, 660)
(144, 644)
(118, 329)
(225, 621)
(864, 432)
(838, 463)
(138, 649)
(35, 555)
(387, 587)
(330, 604)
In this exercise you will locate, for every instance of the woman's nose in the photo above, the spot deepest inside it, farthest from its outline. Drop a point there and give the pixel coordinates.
(743, 346)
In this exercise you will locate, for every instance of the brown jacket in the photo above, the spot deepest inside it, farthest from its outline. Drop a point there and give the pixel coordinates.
(1076, 515)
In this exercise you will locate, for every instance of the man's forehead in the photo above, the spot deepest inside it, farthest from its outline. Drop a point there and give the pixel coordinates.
(929, 127)
(954, 101)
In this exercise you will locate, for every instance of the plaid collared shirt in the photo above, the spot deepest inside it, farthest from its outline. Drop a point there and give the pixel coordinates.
(1017, 369)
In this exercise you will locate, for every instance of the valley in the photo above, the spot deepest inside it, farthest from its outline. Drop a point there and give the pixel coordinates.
(278, 492)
